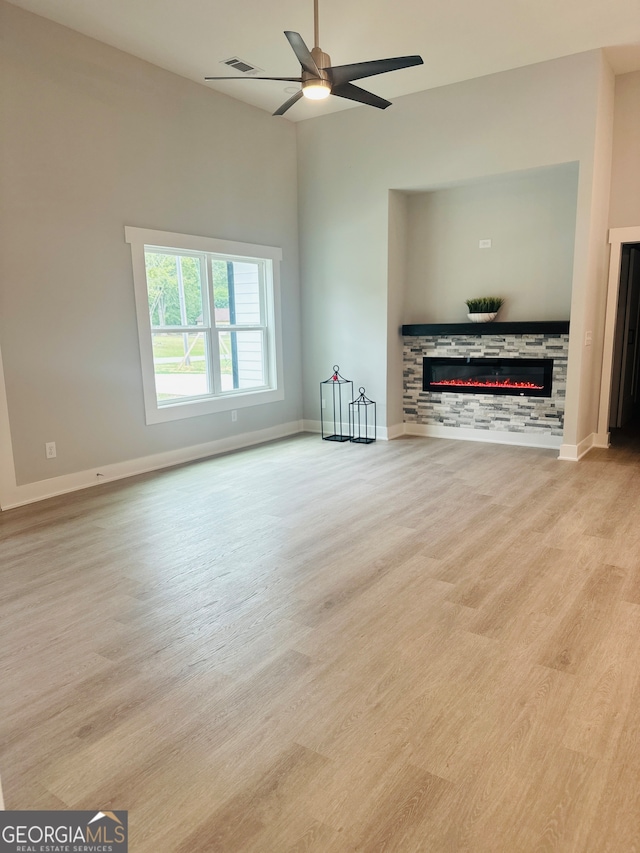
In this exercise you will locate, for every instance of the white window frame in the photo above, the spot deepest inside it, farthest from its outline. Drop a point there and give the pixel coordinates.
(218, 401)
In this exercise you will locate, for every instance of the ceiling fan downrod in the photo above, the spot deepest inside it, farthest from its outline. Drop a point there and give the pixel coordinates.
(316, 87)
(316, 27)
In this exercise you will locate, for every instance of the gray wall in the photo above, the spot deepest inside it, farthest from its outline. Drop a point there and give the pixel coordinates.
(625, 177)
(538, 116)
(92, 140)
(530, 219)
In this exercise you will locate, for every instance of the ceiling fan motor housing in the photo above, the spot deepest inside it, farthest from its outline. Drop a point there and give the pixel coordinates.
(321, 59)
(317, 85)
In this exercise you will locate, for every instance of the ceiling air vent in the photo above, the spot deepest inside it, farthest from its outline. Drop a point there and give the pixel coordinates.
(240, 65)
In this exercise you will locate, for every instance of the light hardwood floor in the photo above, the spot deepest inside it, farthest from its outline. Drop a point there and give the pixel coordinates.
(417, 645)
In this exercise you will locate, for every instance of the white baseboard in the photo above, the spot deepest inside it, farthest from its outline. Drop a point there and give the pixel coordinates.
(30, 493)
(602, 440)
(574, 452)
(382, 433)
(520, 439)
(311, 426)
(395, 431)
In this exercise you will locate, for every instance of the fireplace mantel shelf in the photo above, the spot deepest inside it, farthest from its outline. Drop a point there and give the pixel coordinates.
(544, 327)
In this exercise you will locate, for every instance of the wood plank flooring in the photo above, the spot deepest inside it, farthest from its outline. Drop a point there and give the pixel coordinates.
(417, 645)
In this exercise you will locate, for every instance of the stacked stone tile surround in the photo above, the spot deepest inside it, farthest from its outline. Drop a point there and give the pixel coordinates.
(533, 415)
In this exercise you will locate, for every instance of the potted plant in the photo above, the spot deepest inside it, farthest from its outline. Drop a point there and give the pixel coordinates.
(484, 309)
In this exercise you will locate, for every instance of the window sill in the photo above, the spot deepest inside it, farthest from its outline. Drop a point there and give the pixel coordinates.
(176, 411)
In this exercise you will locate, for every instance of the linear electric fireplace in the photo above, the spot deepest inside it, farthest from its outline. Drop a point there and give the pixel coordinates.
(521, 377)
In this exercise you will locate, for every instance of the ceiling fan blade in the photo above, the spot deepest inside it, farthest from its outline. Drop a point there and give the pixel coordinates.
(286, 79)
(355, 93)
(292, 100)
(357, 70)
(302, 52)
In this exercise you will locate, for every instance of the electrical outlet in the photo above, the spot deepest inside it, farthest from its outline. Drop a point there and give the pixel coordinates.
(484, 244)
(50, 449)
(234, 415)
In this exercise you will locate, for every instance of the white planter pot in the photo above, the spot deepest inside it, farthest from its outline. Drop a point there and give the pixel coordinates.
(483, 318)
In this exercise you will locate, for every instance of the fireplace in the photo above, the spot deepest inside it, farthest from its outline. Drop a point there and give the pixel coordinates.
(521, 416)
(520, 377)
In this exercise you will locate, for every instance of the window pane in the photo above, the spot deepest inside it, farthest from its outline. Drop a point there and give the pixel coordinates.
(174, 289)
(220, 292)
(241, 360)
(236, 293)
(180, 365)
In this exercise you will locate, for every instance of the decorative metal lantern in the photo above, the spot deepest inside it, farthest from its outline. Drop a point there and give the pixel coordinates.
(335, 398)
(362, 419)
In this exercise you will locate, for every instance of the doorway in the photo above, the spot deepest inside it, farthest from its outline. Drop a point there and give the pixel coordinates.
(621, 333)
(623, 409)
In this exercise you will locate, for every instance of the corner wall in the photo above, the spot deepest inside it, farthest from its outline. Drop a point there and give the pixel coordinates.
(397, 277)
(625, 176)
(589, 297)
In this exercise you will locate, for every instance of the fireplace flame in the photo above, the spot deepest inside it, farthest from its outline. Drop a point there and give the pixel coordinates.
(485, 383)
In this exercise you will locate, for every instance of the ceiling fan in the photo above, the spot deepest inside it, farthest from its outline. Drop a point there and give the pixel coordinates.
(320, 79)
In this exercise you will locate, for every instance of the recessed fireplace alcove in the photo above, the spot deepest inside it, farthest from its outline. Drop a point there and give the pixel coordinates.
(511, 235)
(530, 416)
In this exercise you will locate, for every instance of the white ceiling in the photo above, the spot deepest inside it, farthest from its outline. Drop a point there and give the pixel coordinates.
(457, 40)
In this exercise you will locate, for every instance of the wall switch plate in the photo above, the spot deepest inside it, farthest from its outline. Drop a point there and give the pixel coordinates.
(484, 244)
(588, 339)
(234, 415)
(50, 449)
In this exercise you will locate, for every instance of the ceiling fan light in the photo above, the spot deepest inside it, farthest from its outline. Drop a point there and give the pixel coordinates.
(316, 90)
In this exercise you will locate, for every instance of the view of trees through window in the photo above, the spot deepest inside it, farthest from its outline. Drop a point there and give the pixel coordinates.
(185, 324)
(164, 295)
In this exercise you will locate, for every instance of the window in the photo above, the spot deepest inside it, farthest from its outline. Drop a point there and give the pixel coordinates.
(207, 323)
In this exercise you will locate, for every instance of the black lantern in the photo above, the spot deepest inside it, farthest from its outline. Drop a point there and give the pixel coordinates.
(336, 393)
(362, 419)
